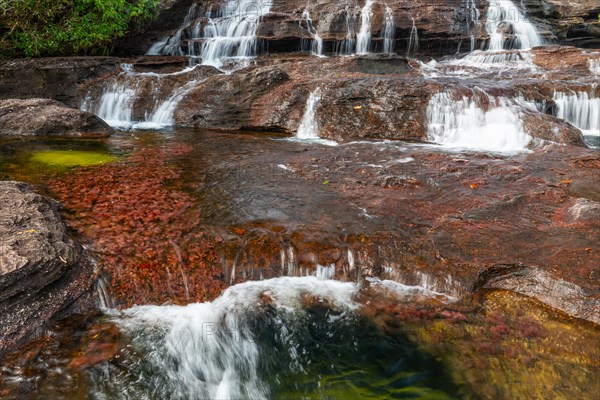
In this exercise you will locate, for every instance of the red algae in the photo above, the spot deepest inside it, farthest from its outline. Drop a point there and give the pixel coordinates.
(146, 230)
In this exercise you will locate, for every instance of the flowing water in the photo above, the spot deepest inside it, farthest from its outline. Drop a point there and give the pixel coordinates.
(316, 45)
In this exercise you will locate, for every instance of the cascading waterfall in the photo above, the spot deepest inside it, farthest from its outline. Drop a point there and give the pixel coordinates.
(594, 66)
(581, 110)
(346, 46)
(505, 14)
(464, 124)
(232, 35)
(116, 106)
(413, 41)
(473, 15)
(163, 115)
(309, 127)
(317, 41)
(172, 46)
(213, 350)
(280, 338)
(363, 38)
(389, 31)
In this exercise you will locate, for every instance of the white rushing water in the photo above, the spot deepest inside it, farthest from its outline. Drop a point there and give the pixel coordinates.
(117, 103)
(232, 35)
(211, 350)
(461, 123)
(363, 38)
(581, 110)
(505, 14)
(316, 45)
(413, 41)
(228, 35)
(309, 126)
(594, 66)
(389, 31)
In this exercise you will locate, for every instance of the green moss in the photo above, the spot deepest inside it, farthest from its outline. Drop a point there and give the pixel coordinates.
(68, 159)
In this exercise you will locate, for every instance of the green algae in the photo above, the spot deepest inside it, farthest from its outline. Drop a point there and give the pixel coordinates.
(71, 158)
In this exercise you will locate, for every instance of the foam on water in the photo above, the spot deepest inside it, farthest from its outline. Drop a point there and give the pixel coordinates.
(461, 123)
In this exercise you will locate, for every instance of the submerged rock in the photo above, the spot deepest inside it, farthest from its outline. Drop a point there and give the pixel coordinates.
(44, 275)
(44, 117)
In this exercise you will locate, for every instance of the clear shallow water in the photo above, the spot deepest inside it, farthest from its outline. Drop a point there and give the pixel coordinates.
(296, 337)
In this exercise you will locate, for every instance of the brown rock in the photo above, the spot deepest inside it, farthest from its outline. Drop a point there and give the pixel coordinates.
(43, 117)
(44, 275)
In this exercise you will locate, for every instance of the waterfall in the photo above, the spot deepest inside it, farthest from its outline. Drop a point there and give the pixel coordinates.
(504, 17)
(389, 31)
(172, 46)
(309, 127)
(594, 66)
(162, 116)
(580, 110)
(317, 41)
(473, 15)
(363, 38)
(216, 350)
(116, 105)
(413, 41)
(347, 45)
(462, 123)
(232, 35)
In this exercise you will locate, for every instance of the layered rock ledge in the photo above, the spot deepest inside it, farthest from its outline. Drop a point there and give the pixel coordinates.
(44, 275)
(44, 117)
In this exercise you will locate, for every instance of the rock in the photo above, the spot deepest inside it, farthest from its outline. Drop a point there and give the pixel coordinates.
(536, 283)
(44, 117)
(44, 275)
(56, 78)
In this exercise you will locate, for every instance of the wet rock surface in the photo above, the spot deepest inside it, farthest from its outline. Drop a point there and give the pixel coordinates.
(55, 78)
(44, 117)
(44, 275)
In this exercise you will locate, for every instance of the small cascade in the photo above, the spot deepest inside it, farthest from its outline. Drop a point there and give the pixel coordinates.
(363, 38)
(389, 31)
(581, 110)
(216, 350)
(172, 46)
(594, 66)
(413, 41)
(229, 34)
(504, 19)
(473, 15)
(346, 46)
(117, 104)
(325, 272)
(316, 46)
(232, 35)
(464, 124)
(309, 127)
(163, 115)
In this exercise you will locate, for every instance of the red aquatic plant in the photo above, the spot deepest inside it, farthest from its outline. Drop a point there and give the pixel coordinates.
(146, 229)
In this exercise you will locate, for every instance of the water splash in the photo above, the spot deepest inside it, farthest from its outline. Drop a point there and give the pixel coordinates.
(461, 123)
(309, 127)
(413, 41)
(163, 115)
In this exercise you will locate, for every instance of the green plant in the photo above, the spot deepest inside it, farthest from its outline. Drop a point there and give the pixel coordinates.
(36, 28)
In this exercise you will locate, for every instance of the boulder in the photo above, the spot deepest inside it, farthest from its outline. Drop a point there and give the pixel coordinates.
(44, 117)
(44, 275)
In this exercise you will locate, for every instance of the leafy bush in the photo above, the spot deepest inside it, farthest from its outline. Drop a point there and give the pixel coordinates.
(36, 28)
